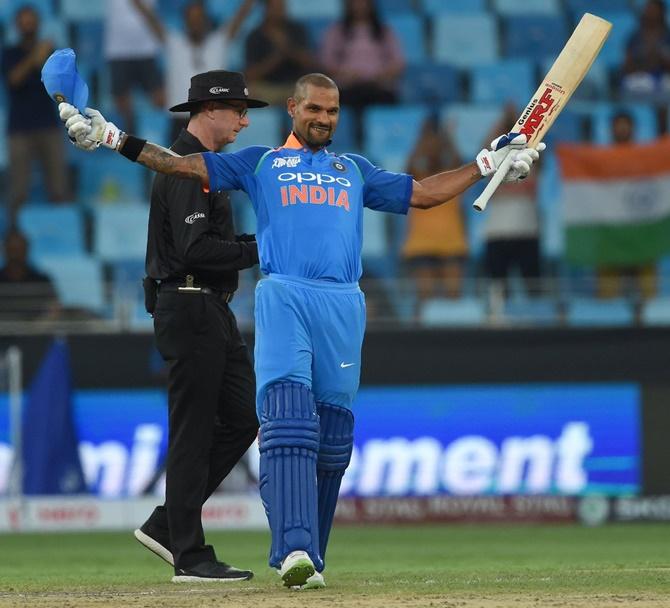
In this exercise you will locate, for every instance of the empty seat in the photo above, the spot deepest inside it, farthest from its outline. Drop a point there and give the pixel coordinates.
(79, 10)
(104, 177)
(52, 229)
(153, 124)
(465, 39)
(532, 311)
(88, 38)
(120, 231)
(502, 81)
(579, 7)
(656, 311)
(264, 130)
(440, 312)
(527, 7)
(78, 281)
(409, 30)
(584, 312)
(344, 139)
(391, 134)
(613, 52)
(389, 8)
(431, 83)
(300, 10)
(437, 7)
(534, 36)
(470, 125)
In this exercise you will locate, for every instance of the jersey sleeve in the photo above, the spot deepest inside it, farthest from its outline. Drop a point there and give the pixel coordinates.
(232, 171)
(384, 190)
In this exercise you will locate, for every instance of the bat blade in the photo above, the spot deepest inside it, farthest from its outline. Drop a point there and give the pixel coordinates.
(560, 82)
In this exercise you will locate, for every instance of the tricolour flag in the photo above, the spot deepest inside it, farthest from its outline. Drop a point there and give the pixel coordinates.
(616, 203)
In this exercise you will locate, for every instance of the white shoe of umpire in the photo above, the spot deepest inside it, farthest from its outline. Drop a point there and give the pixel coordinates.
(316, 581)
(296, 569)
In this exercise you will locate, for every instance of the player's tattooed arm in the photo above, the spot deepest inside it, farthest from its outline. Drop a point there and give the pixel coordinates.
(162, 160)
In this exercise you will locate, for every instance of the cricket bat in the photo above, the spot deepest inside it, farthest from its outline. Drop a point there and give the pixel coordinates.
(553, 94)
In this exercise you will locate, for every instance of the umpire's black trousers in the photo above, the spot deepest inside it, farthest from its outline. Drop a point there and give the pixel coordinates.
(211, 406)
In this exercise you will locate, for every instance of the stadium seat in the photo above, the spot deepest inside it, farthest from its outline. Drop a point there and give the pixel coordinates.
(550, 205)
(78, 281)
(431, 83)
(579, 7)
(442, 312)
(568, 127)
(79, 10)
(120, 231)
(88, 40)
(409, 30)
(644, 119)
(8, 9)
(438, 7)
(344, 139)
(391, 134)
(153, 124)
(663, 273)
(583, 312)
(376, 254)
(534, 36)
(4, 143)
(613, 53)
(316, 30)
(301, 10)
(595, 85)
(264, 130)
(502, 81)
(52, 229)
(107, 177)
(470, 125)
(656, 311)
(389, 8)
(513, 8)
(532, 311)
(454, 38)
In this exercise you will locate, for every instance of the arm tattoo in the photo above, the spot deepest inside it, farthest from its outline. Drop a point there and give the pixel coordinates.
(165, 161)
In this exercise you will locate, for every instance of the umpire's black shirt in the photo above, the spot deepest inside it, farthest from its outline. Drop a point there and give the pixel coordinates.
(192, 232)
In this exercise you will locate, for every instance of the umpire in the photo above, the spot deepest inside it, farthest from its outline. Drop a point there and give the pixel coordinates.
(192, 263)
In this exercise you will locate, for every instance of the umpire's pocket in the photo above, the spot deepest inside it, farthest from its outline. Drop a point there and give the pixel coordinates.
(180, 320)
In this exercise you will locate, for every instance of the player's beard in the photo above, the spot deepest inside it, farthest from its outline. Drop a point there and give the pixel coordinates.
(317, 137)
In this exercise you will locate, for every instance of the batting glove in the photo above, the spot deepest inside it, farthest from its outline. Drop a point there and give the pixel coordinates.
(523, 158)
(89, 130)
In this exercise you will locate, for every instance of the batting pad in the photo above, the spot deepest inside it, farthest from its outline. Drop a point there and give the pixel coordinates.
(289, 443)
(337, 442)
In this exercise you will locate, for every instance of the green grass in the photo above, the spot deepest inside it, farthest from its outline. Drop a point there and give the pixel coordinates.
(467, 560)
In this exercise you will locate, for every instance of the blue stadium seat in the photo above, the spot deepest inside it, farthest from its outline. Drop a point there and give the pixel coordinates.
(80, 10)
(52, 229)
(316, 30)
(442, 312)
(582, 312)
(243, 211)
(551, 212)
(656, 311)
(502, 81)
(663, 273)
(88, 39)
(568, 128)
(120, 231)
(595, 85)
(470, 124)
(535, 36)
(153, 124)
(376, 254)
(389, 8)
(127, 273)
(644, 120)
(8, 9)
(409, 30)
(344, 139)
(106, 177)
(391, 134)
(464, 40)
(579, 7)
(264, 130)
(513, 8)
(532, 311)
(438, 7)
(613, 53)
(4, 143)
(301, 10)
(78, 281)
(431, 83)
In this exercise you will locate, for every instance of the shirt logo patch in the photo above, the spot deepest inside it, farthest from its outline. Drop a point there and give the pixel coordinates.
(291, 161)
(338, 166)
(194, 216)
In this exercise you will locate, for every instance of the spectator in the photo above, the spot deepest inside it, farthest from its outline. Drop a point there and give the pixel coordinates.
(25, 293)
(512, 228)
(363, 56)
(199, 47)
(277, 54)
(646, 70)
(32, 123)
(615, 281)
(132, 45)
(435, 248)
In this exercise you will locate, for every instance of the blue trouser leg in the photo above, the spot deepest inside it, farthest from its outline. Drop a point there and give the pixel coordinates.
(337, 442)
(289, 443)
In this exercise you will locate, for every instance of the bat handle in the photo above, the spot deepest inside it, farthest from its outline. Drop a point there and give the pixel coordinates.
(483, 199)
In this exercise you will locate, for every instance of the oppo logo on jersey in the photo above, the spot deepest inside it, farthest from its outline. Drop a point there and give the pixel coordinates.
(315, 193)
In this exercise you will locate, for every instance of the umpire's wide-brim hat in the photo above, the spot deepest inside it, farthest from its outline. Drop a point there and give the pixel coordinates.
(217, 85)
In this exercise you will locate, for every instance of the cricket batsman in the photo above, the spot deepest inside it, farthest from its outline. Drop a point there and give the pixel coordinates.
(310, 311)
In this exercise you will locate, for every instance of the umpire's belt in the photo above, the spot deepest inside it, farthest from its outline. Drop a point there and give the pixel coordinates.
(226, 296)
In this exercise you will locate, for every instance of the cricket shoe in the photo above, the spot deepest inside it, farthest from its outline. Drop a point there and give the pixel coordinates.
(207, 572)
(155, 539)
(316, 581)
(296, 569)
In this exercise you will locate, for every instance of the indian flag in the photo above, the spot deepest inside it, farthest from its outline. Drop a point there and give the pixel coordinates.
(616, 203)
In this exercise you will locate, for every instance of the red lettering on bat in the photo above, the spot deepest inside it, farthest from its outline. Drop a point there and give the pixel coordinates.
(533, 121)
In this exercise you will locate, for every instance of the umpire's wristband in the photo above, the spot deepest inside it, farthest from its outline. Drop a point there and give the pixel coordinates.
(132, 147)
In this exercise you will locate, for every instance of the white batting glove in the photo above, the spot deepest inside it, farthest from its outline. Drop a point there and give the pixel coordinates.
(89, 130)
(523, 158)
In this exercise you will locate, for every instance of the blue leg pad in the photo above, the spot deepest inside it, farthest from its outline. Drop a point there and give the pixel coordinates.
(337, 442)
(289, 444)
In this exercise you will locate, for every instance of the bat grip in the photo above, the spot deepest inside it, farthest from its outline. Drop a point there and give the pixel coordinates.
(483, 199)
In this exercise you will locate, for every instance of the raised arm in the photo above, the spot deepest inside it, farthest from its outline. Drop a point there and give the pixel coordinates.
(442, 187)
(88, 132)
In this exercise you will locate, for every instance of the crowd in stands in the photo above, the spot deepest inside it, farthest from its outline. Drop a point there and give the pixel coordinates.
(424, 85)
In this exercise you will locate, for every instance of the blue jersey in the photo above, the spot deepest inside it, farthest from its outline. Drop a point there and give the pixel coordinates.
(309, 206)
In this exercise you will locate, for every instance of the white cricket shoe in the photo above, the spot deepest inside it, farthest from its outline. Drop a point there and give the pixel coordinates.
(296, 569)
(316, 581)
